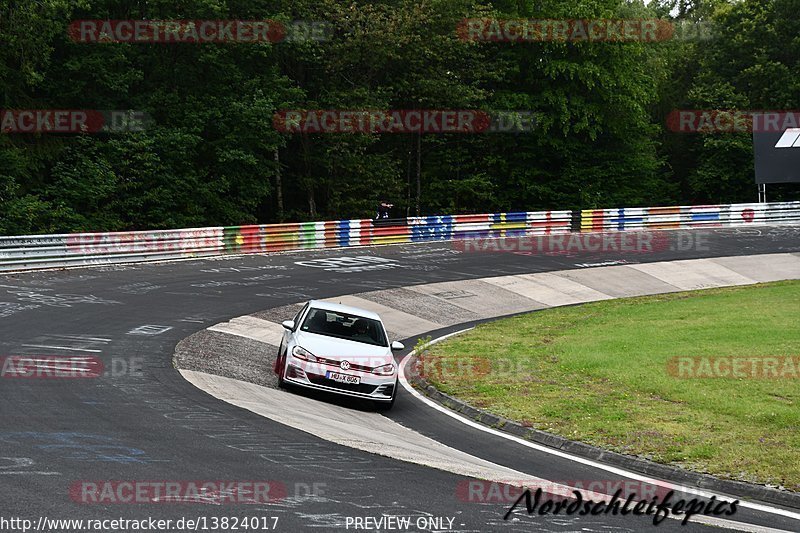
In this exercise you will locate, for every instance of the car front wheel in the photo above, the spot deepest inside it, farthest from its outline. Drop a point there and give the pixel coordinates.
(281, 371)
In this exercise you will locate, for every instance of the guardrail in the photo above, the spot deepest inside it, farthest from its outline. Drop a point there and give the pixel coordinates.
(32, 252)
(626, 218)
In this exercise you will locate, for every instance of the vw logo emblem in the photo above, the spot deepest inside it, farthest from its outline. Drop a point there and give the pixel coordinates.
(344, 365)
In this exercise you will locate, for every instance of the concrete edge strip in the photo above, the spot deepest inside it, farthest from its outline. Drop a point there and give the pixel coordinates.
(371, 432)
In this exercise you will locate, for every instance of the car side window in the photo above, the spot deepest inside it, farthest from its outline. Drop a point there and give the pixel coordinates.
(316, 321)
(298, 315)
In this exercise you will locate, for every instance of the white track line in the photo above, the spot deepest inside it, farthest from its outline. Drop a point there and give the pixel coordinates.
(619, 471)
(62, 348)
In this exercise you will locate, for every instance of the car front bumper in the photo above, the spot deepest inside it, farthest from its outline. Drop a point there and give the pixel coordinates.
(313, 376)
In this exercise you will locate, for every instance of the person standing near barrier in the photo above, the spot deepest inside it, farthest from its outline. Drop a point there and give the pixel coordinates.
(383, 210)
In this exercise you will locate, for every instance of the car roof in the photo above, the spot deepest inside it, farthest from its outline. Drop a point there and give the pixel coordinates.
(330, 306)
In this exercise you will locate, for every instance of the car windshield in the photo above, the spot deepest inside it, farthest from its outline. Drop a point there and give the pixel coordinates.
(344, 326)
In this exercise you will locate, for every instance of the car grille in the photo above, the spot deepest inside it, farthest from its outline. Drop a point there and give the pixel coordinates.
(325, 382)
(334, 362)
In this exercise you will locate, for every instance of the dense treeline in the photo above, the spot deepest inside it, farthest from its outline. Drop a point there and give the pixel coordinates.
(210, 154)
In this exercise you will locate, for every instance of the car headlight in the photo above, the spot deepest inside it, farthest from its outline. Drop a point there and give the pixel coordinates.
(385, 370)
(302, 353)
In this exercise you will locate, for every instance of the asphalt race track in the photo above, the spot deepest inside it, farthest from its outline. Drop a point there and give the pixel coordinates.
(141, 420)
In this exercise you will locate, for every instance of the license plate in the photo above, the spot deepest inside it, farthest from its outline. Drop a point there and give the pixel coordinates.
(343, 378)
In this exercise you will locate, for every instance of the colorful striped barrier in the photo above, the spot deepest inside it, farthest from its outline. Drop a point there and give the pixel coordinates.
(57, 251)
(689, 217)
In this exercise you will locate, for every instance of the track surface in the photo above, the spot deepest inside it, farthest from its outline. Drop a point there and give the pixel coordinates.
(149, 424)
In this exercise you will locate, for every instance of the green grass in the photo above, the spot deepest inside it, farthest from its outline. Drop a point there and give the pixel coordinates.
(597, 373)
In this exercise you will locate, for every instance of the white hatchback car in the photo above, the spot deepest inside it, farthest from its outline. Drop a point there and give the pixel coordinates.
(339, 349)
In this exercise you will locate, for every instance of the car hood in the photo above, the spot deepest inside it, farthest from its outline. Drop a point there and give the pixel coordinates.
(338, 349)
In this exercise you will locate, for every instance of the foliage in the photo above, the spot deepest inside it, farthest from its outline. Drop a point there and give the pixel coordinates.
(210, 155)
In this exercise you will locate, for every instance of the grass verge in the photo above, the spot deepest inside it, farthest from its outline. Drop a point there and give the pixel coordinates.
(599, 373)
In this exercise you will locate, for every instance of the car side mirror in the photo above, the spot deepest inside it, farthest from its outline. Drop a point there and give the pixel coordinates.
(288, 324)
(397, 346)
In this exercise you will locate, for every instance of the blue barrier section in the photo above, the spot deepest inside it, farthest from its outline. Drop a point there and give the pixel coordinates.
(705, 216)
(433, 228)
(344, 233)
(622, 219)
(508, 218)
(517, 218)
